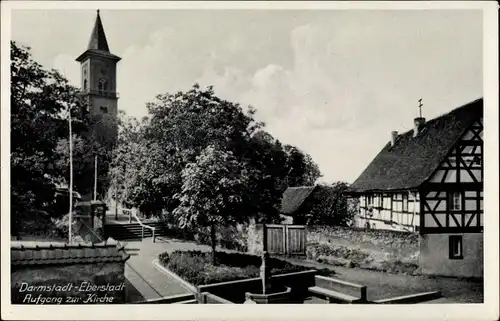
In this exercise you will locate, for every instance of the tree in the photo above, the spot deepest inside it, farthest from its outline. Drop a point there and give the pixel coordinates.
(332, 206)
(214, 192)
(302, 170)
(143, 174)
(40, 100)
(268, 159)
(180, 127)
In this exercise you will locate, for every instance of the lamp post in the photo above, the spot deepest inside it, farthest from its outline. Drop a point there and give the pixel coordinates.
(70, 230)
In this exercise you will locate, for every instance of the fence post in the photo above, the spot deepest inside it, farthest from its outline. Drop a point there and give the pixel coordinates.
(363, 294)
(154, 235)
(142, 232)
(285, 236)
(130, 215)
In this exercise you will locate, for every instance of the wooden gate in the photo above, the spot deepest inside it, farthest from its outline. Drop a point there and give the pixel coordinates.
(286, 239)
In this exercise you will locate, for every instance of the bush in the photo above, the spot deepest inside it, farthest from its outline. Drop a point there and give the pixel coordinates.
(196, 266)
(356, 256)
(343, 256)
(44, 226)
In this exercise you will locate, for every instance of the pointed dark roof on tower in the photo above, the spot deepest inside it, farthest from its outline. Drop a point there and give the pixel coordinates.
(98, 45)
(98, 37)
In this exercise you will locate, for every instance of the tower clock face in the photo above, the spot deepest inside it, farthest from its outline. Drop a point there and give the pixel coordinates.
(104, 70)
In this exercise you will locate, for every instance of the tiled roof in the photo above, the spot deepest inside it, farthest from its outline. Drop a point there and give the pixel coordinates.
(59, 253)
(412, 160)
(294, 197)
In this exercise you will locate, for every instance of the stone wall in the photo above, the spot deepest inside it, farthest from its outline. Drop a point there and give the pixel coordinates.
(68, 284)
(381, 239)
(254, 238)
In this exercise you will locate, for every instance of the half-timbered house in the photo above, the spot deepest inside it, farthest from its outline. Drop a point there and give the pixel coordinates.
(430, 180)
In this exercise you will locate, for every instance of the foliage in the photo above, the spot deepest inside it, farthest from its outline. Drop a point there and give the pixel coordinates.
(343, 252)
(40, 104)
(196, 266)
(133, 165)
(214, 192)
(353, 257)
(302, 170)
(39, 101)
(183, 125)
(330, 205)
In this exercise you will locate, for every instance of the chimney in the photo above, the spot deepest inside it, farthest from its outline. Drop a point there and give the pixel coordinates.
(394, 136)
(419, 124)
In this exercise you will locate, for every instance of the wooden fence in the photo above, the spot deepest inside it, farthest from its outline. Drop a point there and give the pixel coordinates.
(285, 239)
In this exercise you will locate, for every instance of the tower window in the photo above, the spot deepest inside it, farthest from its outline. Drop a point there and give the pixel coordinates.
(85, 84)
(102, 85)
(104, 109)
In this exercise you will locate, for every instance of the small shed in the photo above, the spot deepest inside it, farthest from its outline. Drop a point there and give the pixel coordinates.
(295, 202)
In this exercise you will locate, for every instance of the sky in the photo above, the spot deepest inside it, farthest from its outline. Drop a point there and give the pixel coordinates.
(334, 83)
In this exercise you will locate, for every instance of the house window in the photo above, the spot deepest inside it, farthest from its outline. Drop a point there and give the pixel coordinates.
(369, 200)
(104, 110)
(369, 205)
(455, 201)
(85, 84)
(456, 247)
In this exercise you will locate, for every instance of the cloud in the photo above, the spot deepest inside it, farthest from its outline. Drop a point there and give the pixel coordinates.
(335, 87)
(67, 66)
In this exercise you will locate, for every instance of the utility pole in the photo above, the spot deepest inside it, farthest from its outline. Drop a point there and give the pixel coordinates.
(116, 199)
(70, 229)
(95, 179)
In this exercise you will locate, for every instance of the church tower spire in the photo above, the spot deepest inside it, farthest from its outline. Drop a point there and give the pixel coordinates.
(98, 81)
(98, 37)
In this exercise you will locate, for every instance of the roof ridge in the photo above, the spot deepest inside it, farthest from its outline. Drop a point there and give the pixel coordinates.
(64, 246)
(454, 110)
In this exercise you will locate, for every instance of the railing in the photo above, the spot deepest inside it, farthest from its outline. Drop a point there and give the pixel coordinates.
(91, 232)
(132, 213)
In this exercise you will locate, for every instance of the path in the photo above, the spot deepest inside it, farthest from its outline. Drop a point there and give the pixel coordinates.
(145, 281)
(380, 285)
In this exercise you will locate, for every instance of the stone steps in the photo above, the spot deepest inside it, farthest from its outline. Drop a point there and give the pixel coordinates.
(133, 231)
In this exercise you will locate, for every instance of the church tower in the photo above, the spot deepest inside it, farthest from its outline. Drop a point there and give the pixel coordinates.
(98, 83)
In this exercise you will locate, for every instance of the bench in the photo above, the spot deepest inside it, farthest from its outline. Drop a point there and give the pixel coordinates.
(412, 298)
(333, 296)
(334, 290)
(209, 298)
